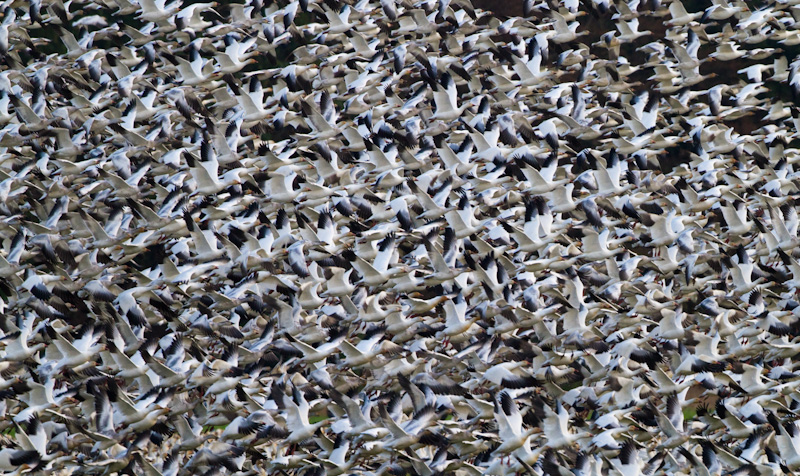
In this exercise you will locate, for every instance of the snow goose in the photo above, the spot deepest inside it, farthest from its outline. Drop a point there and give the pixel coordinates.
(667, 228)
(206, 172)
(319, 121)
(787, 438)
(194, 71)
(457, 326)
(140, 415)
(189, 17)
(338, 22)
(736, 217)
(368, 349)
(15, 252)
(529, 238)
(204, 241)
(173, 370)
(411, 431)
(727, 51)
(608, 177)
(629, 463)
(281, 184)
(629, 31)
(735, 426)
(778, 237)
(414, 21)
(720, 10)
(296, 259)
(670, 326)
(564, 32)
(742, 273)
(18, 461)
(445, 98)
(666, 385)
(242, 426)
(457, 162)
(359, 422)
(298, 427)
(680, 16)
(78, 354)
(705, 466)
(556, 428)
(529, 70)
(337, 462)
(514, 438)
(595, 247)
(157, 11)
(38, 400)
(462, 220)
(379, 271)
(235, 57)
(121, 365)
(561, 199)
(543, 180)
(16, 339)
(316, 356)
(216, 454)
(339, 284)
(672, 423)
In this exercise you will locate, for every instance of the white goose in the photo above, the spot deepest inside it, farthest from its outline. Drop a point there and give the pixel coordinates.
(445, 97)
(457, 326)
(323, 128)
(556, 428)
(742, 273)
(778, 237)
(680, 16)
(529, 70)
(281, 184)
(543, 180)
(16, 339)
(379, 271)
(595, 246)
(196, 70)
(736, 216)
(78, 354)
(235, 57)
(367, 350)
(608, 177)
(157, 11)
(667, 229)
(296, 411)
(509, 422)
(39, 399)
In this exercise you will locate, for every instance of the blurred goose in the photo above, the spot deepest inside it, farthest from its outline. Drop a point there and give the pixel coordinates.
(16, 338)
(445, 98)
(595, 247)
(556, 428)
(679, 14)
(298, 426)
(509, 421)
(235, 57)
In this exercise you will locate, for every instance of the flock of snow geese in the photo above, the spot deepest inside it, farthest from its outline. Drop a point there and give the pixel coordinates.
(399, 237)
